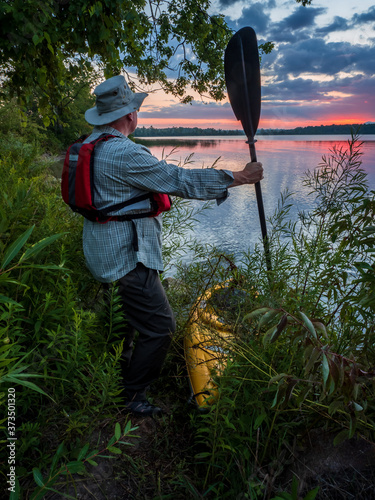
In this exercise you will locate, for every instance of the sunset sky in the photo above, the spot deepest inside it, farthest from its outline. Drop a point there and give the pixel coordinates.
(321, 71)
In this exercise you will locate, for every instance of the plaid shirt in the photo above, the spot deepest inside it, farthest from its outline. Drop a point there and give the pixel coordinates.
(122, 171)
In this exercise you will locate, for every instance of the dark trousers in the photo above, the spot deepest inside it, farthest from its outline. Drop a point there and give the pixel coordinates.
(147, 310)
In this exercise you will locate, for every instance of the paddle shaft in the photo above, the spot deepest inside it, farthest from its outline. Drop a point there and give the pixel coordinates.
(262, 218)
(253, 156)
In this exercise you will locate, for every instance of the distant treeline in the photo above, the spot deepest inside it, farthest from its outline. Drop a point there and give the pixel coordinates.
(181, 131)
(310, 130)
(368, 128)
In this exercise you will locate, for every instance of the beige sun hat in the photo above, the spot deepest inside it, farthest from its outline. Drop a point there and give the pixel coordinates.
(114, 99)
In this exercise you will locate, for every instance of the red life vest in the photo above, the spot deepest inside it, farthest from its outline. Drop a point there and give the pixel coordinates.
(77, 186)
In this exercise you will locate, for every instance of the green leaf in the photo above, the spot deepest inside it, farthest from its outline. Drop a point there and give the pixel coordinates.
(269, 316)
(46, 267)
(289, 391)
(74, 467)
(277, 378)
(25, 383)
(41, 494)
(204, 454)
(312, 359)
(117, 431)
(334, 406)
(37, 247)
(280, 327)
(59, 452)
(268, 335)
(357, 407)
(325, 367)
(5, 278)
(302, 395)
(294, 487)
(258, 421)
(92, 462)
(114, 450)
(8, 300)
(341, 437)
(38, 477)
(16, 494)
(5, 362)
(47, 37)
(279, 396)
(364, 265)
(312, 494)
(16, 247)
(93, 453)
(83, 452)
(255, 313)
(112, 440)
(318, 325)
(308, 325)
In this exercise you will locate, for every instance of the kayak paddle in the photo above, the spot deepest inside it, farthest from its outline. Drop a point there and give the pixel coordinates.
(242, 77)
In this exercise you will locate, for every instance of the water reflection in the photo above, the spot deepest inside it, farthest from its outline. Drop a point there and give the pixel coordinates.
(234, 225)
(189, 143)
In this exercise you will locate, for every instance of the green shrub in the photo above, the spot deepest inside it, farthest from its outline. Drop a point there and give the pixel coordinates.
(64, 369)
(304, 356)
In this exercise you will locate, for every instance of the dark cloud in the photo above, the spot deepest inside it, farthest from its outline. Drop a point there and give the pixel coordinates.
(301, 89)
(301, 18)
(341, 24)
(291, 29)
(286, 36)
(317, 56)
(270, 4)
(297, 26)
(293, 90)
(256, 17)
(226, 3)
(338, 24)
(365, 17)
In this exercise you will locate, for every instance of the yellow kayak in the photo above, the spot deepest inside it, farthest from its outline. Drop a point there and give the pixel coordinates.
(207, 347)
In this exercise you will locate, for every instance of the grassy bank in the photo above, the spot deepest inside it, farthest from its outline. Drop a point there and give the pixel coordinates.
(300, 377)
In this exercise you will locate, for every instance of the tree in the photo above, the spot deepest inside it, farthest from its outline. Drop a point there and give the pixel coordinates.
(49, 43)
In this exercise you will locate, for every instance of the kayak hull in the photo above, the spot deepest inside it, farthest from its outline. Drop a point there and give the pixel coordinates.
(207, 347)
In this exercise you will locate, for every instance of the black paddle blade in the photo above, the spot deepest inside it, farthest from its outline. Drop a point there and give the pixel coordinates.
(242, 77)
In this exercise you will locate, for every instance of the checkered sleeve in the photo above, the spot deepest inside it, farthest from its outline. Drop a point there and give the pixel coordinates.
(146, 172)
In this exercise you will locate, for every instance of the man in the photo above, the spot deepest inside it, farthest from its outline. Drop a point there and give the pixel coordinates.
(130, 252)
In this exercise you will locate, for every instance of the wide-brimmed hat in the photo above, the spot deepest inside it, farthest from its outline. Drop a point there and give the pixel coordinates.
(114, 99)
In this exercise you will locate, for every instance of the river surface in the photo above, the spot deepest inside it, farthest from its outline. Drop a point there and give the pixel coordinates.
(234, 225)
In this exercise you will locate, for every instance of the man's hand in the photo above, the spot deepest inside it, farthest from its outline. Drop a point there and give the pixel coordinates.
(252, 173)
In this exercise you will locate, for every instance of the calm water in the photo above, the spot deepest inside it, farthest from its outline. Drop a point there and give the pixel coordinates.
(234, 225)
